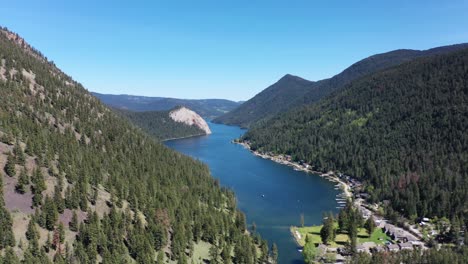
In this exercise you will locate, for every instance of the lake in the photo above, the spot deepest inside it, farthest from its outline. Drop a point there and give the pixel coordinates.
(270, 194)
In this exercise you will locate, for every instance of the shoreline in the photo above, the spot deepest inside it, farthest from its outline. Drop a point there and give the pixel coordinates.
(191, 136)
(347, 193)
(296, 235)
(330, 176)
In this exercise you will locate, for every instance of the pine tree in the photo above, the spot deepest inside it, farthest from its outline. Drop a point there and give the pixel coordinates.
(214, 254)
(343, 220)
(370, 225)
(160, 259)
(23, 180)
(50, 213)
(226, 254)
(274, 253)
(19, 154)
(309, 252)
(58, 200)
(73, 225)
(10, 169)
(48, 244)
(61, 231)
(37, 199)
(6, 233)
(38, 181)
(10, 257)
(264, 252)
(31, 232)
(328, 232)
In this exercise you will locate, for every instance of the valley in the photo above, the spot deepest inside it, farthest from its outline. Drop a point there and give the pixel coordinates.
(234, 132)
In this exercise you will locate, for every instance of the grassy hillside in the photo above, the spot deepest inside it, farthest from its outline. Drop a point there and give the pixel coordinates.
(402, 131)
(80, 184)
(207, 108)
(291, 91)
(160, 125)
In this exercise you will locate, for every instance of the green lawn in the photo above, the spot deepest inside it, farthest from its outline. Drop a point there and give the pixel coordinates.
(378, 237)
(341, 238)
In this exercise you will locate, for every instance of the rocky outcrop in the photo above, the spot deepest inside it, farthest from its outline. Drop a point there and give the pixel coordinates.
(189, 117)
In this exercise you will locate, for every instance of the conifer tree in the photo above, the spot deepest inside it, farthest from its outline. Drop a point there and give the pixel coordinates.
(73, 225)
(328, 232)
(10, 257)
(61, 231)
(370, 225)
(10, 169)
(50, 213)
(31, 232)
(6, 223)
(23, 180)
(19, 154)
(58, 200)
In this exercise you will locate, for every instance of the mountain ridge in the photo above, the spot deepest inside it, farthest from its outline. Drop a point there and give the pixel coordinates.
(402, 131)
(79, 184)
(207, 108)
(262, 107)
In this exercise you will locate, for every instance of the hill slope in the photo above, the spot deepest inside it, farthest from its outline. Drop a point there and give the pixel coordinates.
(291, 91)
(79, 184)
(207, 108)
(275, 99)
(402, 131)
(161, 125)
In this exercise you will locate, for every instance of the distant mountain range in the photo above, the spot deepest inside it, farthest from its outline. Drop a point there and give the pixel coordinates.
(207, 108)
(292, 91)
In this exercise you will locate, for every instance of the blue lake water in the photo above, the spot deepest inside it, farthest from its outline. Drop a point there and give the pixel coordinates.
(287, 193)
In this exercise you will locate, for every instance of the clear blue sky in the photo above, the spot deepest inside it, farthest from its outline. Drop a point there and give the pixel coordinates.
(223, 49)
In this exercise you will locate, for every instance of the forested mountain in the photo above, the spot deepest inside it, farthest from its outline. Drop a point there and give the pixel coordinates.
(160, 125)
(79, 184)
(277, 98)
(207, 108)
(402, 131)
(291, 91)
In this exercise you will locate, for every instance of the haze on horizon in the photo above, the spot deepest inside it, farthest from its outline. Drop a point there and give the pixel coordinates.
(226, 50)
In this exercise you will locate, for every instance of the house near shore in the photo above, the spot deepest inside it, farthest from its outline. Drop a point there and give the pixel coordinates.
(366, 247)
(378, 249)
(393, 248)
(364, 196)
(361, 249)
(398, 234)
(389, 229)
(340, 259)
(406, 246)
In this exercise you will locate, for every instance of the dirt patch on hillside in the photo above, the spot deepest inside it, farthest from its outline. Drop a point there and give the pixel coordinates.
(16, 202)
(3, 70)
(67, 215)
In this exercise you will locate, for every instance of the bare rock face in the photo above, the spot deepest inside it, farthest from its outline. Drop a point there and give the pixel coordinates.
(189, 117)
